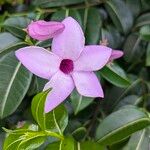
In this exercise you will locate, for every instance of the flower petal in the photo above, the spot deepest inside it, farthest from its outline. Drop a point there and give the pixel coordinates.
(70, 43)
(39, 61)
(93, 58)
(62, 85)
(87, 84)
(42, 30)
(115, 55)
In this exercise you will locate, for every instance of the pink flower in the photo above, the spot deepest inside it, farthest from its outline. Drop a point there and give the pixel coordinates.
(69, 65)
(42, 30)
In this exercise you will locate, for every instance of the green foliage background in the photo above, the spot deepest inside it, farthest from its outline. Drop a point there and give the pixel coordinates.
(118, 122)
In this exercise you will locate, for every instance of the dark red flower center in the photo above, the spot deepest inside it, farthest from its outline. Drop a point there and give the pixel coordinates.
(66, 66)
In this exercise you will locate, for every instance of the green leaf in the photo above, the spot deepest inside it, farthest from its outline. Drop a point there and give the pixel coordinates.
(120, 125)
(7, 40)
(92, 26)
(67, 144)
(55, 3)
(79, 102)
(61, 15)
(27, 138)
(58, 15)
(12, 48)
(111, 34)
(14, 83)
(15, 25)
(115, 75)
(129, 100)
(56, 120)
(31, 140)
(79, 133)
(145, 32)
(148, 55)
(142, 20)
(90, 145)
(120, 14)
(145, 5)
(139, 140)
(135, 9)
(11, 142)
(132, 48)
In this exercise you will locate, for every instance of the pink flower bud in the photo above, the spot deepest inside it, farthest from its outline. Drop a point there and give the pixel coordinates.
(115, 55)
(42, 30)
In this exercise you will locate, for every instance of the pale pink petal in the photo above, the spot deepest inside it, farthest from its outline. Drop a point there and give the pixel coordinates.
(70, 43)
(115, 54)
(62, 85)
(93, 58)
(39, 61)
(87, 84)
(42, 30)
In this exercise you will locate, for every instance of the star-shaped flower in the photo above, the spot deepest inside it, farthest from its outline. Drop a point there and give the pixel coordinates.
(69, 65)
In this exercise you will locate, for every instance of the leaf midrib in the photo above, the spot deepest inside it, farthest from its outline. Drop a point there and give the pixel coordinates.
(112, 133)
(9, 87)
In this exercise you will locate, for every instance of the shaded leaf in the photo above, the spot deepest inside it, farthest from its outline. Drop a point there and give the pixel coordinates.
(132, 48)
(79, 102)
(92, 26)
(144, 19)
(55, 3)
(120, 14)
(135, 9)
(148, 55)
(111, 34)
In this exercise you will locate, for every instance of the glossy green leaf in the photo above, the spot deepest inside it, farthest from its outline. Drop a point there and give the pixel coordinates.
(90, 145)
(148, 56)
(92, 26)
(79, 102)
(120, 14)
(56, 120)
(14, 83)
(143, 19)
(120, 125)
(67, 144)
(15, 25)
(115, 75)
(139, 140)
(7, 40)
(55, 3)
(12, 142)
(27, 137)
(145, 32)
